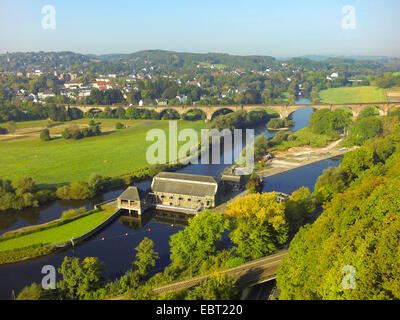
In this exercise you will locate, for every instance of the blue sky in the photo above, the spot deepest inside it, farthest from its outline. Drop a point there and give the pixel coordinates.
(280, 28)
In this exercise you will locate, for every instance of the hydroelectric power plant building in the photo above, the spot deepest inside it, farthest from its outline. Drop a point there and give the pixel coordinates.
(179, 192)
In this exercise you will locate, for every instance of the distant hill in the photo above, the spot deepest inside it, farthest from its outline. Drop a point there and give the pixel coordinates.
(326, 57)
(168, 61)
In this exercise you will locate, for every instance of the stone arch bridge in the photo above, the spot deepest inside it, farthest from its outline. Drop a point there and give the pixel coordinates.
(284, 111)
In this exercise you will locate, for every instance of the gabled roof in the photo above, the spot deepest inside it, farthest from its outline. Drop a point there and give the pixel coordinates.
(185, 184)
(132, 193)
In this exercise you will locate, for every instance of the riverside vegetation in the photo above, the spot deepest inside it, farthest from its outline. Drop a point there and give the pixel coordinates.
(325, 126)
(359, 226)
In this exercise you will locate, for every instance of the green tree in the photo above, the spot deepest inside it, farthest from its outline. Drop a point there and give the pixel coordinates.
(198, 241)
(217, 287)
(145, 257)
(354, 163)
(96, 183)
(332, 181)
(255, 184)
(26, 185)
(299, 208)
(32, 292)
(260, 225)
(367, 112)
(365, 129)
(80, 279)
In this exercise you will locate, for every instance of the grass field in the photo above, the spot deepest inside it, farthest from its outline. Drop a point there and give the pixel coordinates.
(63, 161)
(59, 234)
(353, 95)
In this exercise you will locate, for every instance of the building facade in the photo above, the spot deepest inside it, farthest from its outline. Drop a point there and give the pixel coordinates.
(178, 191)
(132, 199)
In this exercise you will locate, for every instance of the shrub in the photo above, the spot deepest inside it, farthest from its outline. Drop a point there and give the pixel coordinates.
(66, 134)
(234, 262)
(45, 135)
(32, 292)
(119, 125)
(72, 213)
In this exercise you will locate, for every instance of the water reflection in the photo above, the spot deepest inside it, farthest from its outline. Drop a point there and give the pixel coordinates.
(137, 222)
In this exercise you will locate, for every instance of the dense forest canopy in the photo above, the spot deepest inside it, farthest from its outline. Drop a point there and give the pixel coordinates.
(359, 229)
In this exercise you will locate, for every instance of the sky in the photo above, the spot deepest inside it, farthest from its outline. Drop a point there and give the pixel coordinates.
(279, 28)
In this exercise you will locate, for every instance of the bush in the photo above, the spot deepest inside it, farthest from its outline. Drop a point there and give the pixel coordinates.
(66, 134)
(68, 214)
(3, 130)
(119, 126)
(32, 292)
(277, 123)
(45, 135)
(235, 262)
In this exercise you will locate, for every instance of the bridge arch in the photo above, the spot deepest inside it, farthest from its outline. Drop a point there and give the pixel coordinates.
(169, 114)
(194, 114)
(310, 110)
(220, 111)
(94, 110)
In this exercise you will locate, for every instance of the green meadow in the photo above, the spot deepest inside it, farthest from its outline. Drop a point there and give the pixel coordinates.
(60, 233)
(363, 94)
(61, 161)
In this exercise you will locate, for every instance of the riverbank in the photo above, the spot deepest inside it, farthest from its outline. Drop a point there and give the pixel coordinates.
(301, 156)
(28, 243)
(289, 160)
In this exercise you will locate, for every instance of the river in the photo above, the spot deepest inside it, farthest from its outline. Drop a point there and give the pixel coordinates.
(117, 250)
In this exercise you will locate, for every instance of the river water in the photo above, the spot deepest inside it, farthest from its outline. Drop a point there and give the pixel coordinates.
(117, 250)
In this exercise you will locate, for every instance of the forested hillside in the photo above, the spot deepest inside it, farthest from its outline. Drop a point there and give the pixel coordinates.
(359, 228)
